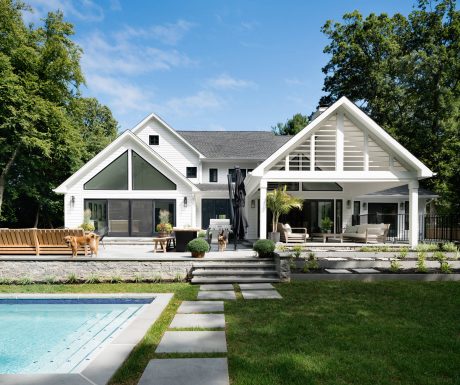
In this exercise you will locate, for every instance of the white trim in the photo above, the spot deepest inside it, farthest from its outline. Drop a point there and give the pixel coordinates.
(400, 151)
(140, 125)
(339, 143)
(101, 156)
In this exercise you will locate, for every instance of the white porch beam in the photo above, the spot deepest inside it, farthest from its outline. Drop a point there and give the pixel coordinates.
(413, 213)
(263, 210)
(339, 142)
(366, 150)
(130, 170)
(312, 152)
(340, 176)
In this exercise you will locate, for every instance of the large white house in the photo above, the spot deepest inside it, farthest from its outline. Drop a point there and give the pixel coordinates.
(342, 164)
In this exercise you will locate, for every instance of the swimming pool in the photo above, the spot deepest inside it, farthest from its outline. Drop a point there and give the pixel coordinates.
(61, 335)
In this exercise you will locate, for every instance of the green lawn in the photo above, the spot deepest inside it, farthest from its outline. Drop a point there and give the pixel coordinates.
(321, 333)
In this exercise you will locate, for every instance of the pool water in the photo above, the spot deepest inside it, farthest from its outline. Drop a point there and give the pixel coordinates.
(59, 335)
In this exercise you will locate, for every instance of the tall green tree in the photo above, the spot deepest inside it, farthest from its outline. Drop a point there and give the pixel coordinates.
(47, 130)
(405, 73)
(292, 126)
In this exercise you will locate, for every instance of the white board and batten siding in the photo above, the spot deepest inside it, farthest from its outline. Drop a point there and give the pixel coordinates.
(171, 148)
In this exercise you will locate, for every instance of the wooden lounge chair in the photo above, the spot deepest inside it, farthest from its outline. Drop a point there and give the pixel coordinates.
(288, 236)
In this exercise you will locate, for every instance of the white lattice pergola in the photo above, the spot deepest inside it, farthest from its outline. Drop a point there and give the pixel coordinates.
(342, 145)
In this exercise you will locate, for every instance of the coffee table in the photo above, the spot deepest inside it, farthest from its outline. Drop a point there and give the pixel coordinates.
(325, 236)
(163, 242)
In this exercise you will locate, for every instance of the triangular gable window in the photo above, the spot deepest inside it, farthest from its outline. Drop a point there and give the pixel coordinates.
(147, 177)
(112, 177)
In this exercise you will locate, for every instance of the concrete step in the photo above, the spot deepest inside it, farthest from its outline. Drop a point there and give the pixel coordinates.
(259, 272)
(233, 265)
(229, 260)
(234, 279)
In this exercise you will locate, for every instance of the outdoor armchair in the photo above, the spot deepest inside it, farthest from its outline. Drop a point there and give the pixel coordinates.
(287, 235)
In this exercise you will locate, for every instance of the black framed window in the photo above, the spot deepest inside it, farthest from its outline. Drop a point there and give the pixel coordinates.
(213, 174)
(154, 140)
(191, 172)
(290, 186)
(147, 177)
(112, 177)
(338, 216)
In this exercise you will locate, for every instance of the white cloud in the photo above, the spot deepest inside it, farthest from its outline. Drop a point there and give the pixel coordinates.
(226, 82)
(295, 82)
(169, 33)
(128, 57)
(192, 104)
(86, 10)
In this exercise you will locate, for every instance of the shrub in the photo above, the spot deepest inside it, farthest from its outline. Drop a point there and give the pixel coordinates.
(264, 248)
(115, 279)
(395, 266)
(421, 266)
(50, 280)
(25, 281)
(93, 279)
(445, 268)
(427, 247)
(201, 234)
(297, 250)
(281, 247)
(198, 245)
(449, 247)
(164, 228)
(403, 252)
(313, 261)
(72, 278)
(138, 278)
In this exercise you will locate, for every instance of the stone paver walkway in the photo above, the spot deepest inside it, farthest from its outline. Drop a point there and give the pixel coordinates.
(202, 321)
(200, 314)
(366, 271)
(338, 271)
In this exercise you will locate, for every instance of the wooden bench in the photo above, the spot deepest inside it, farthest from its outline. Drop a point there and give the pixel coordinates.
(37, 241)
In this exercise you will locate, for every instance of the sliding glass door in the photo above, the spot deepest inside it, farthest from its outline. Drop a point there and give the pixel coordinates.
(141, 218)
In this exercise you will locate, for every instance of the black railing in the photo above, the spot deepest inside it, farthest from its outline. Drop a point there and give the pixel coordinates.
(432, 228)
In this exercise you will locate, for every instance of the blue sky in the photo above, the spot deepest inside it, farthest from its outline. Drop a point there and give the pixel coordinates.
(206, 64)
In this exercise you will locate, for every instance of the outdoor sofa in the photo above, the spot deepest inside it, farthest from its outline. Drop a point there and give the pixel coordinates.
(37, 241)
(366, 233)
(289, 236)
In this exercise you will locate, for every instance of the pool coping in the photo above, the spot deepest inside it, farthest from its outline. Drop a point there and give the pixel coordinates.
(104, 365)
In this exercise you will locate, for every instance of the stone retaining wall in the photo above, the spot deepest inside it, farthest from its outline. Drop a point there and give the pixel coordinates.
(42, 271)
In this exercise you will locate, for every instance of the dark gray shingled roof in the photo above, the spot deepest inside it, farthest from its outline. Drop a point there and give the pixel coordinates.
(235, 144)
(403, 191)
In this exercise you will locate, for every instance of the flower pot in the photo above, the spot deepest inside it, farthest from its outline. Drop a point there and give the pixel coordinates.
(197, 255)
(163, 234)
(328, 231)
(275, 237)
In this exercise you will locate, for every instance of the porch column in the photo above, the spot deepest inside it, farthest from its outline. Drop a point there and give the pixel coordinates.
(263, 210)
(193, 207)
(413, 213)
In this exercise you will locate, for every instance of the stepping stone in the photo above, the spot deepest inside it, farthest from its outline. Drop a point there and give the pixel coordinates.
(190, 371)
(217, 286)
(187, 307)
(256, 286)
(228, 295)
(365, 271)
(338, 271)
(203, 321)
(335, 259)
(192, 342)
(363, 259)
(261, 294)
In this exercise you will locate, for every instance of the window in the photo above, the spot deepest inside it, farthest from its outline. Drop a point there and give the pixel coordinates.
(213, 174)
(113, 177)
(147, 177)
(290, 186)
(154, 140)
(191, 172)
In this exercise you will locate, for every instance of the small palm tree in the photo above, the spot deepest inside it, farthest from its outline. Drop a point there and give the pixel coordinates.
(280, 202)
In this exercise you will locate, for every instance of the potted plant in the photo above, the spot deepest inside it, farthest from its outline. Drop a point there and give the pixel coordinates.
(164, 228)
(280, 202)
(198, 247)
(326, 225)
(88, 224)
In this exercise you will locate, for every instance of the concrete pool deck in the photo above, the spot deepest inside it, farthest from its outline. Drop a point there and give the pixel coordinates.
(102, 367)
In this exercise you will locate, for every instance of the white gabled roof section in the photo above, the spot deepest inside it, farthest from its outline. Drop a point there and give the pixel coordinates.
(140, 125)
(124, 138)
(344, 105)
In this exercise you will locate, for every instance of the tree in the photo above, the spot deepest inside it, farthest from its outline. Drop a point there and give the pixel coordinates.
(405, 72)
(47, 130)
(279, 202)
(292, 126)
